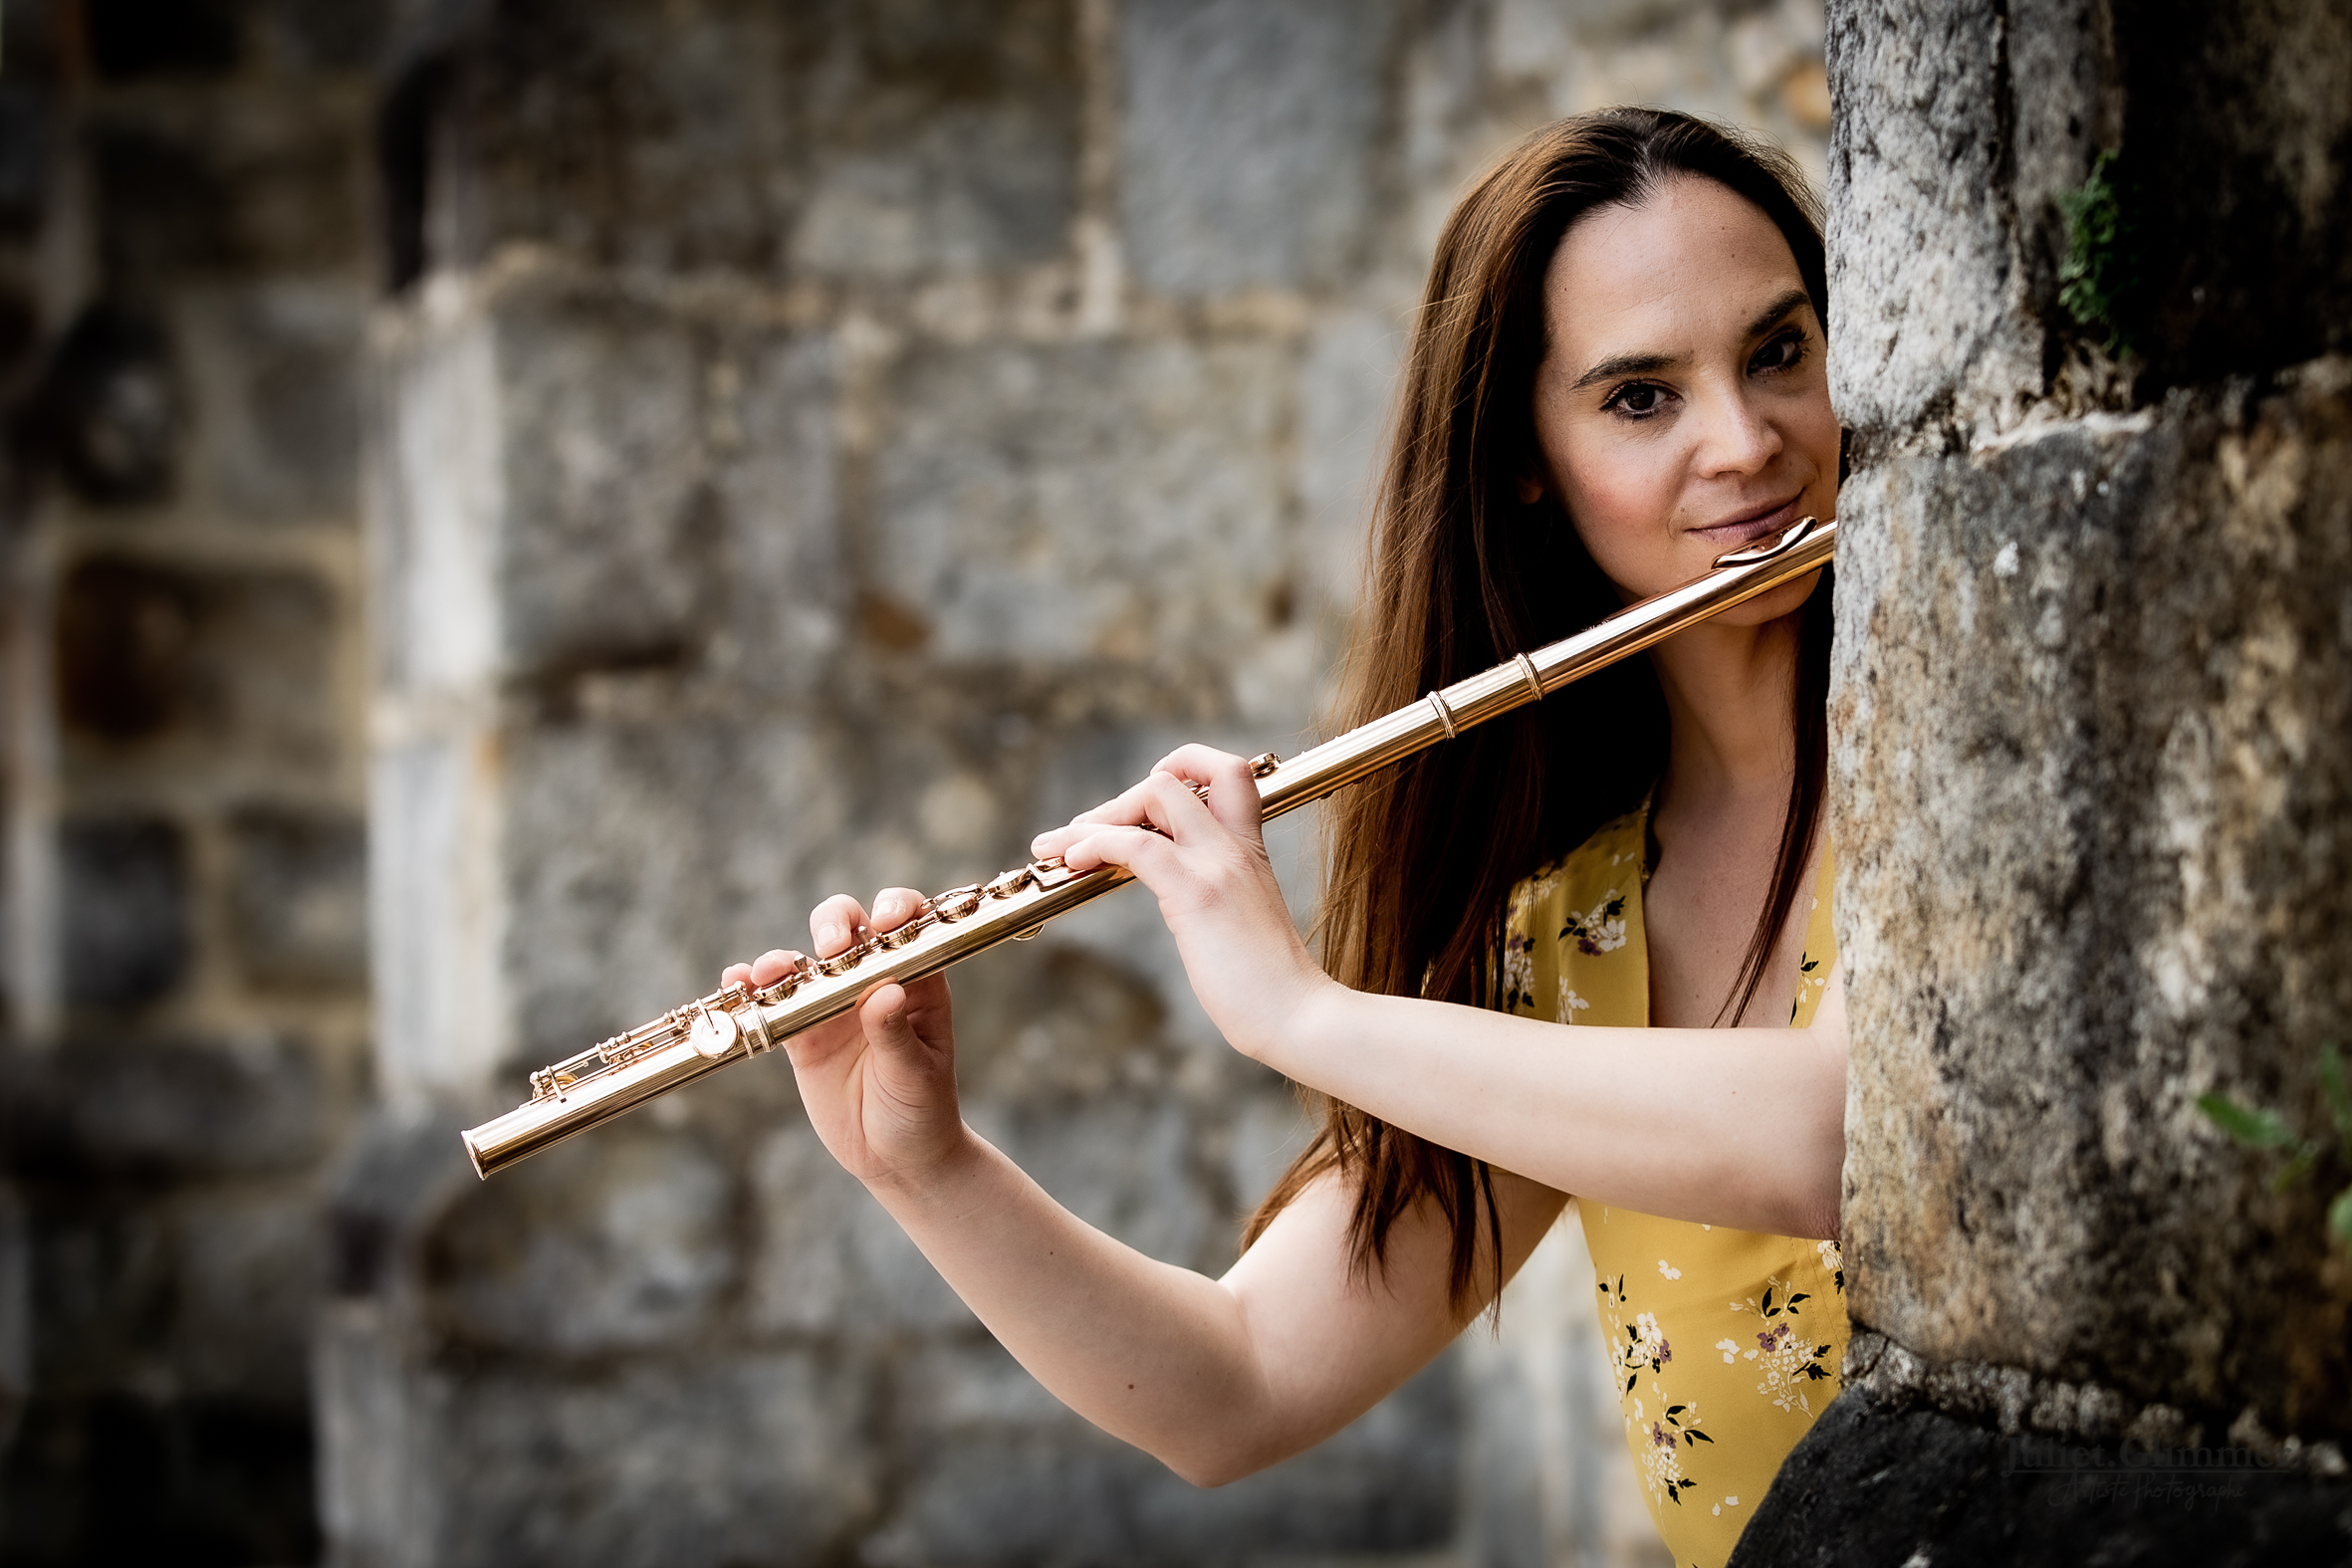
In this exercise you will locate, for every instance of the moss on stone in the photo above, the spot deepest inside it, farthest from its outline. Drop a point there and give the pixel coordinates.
(2100, 281)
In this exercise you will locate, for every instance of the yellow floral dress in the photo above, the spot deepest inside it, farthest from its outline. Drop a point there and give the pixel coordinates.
(1726, 1343)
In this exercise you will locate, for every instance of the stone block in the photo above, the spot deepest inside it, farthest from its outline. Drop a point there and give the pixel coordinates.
(16, 1310)
(1003, 1473)
(579, 478)
(2233, 135)
(1345, 389)
(623, 1243)
(191, 1291)
(210, 183)
(1876, 1483)
(225, 669)
(435, 919)
(877, 140)
(119, 1104)
(2096, 885)
(132, 1478)
(101, 1294)
(751, 1458)
(940, 137)
(130, 40)
(1927, 285)
(1247, 145)
(350, 37)
(609, 552)
(1090, 505)
(28, 137)
(112, 412)
(273, 383)
(297, 898)
(246, 1282)
(121, 917)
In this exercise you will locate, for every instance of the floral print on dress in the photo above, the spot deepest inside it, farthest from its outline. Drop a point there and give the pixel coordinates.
(1833, 1262)
(1785, 1351)
(1657, 1441)
(1600, 929)
(1813, 978)
(1518, 974)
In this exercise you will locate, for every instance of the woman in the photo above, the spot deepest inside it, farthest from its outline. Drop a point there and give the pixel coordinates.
(1617, 377)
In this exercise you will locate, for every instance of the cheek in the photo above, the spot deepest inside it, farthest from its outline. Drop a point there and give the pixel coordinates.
(1621, 500)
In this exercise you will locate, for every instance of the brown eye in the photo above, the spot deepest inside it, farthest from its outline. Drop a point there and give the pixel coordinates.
(1783, 352)
(1635, 397)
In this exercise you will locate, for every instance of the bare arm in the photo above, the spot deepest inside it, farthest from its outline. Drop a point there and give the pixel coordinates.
(1732, 1127)
(1735, 1127)
(1215, 1377)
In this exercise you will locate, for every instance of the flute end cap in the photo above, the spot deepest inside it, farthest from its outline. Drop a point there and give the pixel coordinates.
(473, 1154)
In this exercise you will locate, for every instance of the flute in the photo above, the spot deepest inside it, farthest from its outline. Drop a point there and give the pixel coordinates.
(739, 1022)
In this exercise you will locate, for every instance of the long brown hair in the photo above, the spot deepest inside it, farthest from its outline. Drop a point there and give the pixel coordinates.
(1463, 575)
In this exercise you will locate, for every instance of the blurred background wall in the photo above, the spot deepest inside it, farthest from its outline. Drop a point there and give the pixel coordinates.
(508, 505)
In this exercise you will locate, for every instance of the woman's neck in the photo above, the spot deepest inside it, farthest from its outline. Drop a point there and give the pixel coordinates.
(1730, 698)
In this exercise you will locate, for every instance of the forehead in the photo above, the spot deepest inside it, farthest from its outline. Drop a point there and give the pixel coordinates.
(1694, 260)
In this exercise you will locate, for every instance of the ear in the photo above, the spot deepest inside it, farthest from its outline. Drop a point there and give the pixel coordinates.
(1530, 490)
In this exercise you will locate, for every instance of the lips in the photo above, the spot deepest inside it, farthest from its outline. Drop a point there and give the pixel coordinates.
(1752, 523)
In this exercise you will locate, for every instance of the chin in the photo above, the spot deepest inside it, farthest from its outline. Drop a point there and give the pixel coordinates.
(1766, 608)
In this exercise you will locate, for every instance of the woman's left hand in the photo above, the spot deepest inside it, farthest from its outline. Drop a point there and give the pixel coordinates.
(1205, 861)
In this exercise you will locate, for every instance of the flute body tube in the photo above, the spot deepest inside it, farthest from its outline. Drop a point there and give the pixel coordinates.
(739, 1022)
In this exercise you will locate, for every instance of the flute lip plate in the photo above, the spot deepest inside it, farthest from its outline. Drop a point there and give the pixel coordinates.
(1751, 555)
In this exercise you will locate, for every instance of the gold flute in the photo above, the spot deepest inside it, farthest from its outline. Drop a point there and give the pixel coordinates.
(739, 1022)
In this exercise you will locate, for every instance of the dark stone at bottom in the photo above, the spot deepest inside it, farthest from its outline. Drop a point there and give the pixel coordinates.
(194, 1483)
(1875, 1485)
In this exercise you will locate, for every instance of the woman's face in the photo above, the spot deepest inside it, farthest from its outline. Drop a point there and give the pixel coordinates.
(1682, 408)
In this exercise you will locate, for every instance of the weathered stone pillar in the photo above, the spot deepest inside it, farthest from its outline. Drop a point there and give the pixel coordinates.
(2093, 761)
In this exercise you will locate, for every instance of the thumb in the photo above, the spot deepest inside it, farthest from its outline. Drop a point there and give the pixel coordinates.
(889, 1027)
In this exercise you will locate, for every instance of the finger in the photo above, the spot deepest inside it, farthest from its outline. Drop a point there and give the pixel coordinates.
(836, 923)
(772, 964)
(895, 906)
(734, 975)
(1233, 786)
(1137, 849)
(1172, 806)
(1161, 800)
(1126, 809)
(1134, 805)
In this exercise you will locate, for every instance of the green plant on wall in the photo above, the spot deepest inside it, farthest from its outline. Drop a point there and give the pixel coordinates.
(2099, 281)
(2267, 1130)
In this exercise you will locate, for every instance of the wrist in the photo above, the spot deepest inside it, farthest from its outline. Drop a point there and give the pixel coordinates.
(941, 1168)
(1286, 1036)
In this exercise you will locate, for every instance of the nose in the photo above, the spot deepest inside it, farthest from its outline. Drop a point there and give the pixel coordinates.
(1735, 436)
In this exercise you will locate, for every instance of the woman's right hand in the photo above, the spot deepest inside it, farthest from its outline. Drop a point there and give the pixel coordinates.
(878, 1082)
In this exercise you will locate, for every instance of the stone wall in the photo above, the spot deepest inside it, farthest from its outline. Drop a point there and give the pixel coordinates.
(186, 265)
(817, 450)
(2093, 767)
(804, 447)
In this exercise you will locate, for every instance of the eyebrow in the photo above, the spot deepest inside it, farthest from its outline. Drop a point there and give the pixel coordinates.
(1645, 364)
